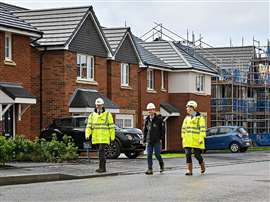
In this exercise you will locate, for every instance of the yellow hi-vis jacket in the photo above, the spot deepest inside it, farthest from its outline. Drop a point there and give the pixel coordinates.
(193, 131)
(101, 127)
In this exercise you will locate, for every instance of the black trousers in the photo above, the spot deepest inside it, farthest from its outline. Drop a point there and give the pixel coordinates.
(197, 154)
(101, 152)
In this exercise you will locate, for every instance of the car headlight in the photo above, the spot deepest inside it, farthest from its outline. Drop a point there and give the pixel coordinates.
(129, 137)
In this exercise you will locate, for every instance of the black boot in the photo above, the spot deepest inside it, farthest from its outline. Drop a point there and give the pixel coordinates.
(149, 171)
(102, 166)
(161, 165)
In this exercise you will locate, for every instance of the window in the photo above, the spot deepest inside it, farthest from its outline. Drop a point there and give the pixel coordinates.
(162, 80)
(124, 74)
(85, 67)
(212, 131)
(224, 130)
(150, 79)
(124, 120)
(8, 46)
(200, 83)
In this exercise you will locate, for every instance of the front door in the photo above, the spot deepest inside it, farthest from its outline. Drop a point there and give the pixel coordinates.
(7, 122)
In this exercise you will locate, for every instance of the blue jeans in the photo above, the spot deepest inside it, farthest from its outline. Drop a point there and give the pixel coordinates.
(150, 148)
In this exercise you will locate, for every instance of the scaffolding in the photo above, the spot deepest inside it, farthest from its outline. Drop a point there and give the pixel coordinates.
(241, 94)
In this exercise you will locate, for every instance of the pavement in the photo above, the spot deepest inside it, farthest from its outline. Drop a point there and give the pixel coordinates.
(29, 172)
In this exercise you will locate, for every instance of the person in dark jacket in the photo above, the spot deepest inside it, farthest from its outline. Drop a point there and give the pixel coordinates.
(154, 130)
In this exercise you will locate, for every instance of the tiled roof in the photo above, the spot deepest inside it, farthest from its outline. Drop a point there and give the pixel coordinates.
(194, 59)
(166, 52)
(115, 36)
(175, 56)
(9, 20)
(228, 57)
(9, 7)
(58, 25)
(147, 57)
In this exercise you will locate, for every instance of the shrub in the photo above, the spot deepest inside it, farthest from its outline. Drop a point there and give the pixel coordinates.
(58, 151)
(6, 150)
(23, 149)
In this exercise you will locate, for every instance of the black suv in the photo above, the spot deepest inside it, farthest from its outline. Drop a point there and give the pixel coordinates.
(128, 141)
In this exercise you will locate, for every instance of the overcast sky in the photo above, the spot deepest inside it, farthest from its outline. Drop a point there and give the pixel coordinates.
(217, 21)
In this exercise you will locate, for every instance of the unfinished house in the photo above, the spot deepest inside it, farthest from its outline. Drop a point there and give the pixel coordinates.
(241, 94)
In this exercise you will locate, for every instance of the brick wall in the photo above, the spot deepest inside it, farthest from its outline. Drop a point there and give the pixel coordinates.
(155, 97)
(179, 100)
(35, 83)
(60, 82)
(125, 97)
(20, 73)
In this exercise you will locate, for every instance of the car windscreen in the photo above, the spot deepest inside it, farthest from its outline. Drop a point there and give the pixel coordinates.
(65, 122)
(81, 122)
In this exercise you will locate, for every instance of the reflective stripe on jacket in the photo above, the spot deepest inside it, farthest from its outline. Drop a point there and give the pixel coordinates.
(193, 132)
(101, 127)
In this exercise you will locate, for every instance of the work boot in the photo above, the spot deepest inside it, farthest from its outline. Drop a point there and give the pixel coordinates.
(102, 166)
(161, 165)
(149, 171)
(189, 169)
(202, 167)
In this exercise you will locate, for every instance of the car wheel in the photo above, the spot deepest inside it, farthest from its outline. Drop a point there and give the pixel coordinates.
(132, 155)
(234, 147)
(243, 149)
(112, 151)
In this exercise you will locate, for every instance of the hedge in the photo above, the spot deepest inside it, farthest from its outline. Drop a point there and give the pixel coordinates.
(39, 150)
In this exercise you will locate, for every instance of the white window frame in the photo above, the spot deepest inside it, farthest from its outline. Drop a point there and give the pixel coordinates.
(8, 46)
(90, 67)
(125, 74)
(200, 83)
(162, 80)
(123, 117)
(150, 79)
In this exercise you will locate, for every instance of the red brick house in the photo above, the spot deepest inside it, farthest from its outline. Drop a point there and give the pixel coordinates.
(77, 60)
(123, 76)
(16, 91)
(73, 56)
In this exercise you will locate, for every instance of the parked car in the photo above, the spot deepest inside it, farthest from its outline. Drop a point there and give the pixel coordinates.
(128, 141)
(234, 138)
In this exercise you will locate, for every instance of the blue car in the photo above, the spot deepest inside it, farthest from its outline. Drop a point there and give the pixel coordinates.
(234, 138)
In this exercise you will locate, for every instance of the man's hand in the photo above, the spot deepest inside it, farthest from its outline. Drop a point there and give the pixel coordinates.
(200, 141)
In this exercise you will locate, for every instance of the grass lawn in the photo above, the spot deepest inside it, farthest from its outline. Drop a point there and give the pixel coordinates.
(173, 155)
(258, 148)
(182, 155)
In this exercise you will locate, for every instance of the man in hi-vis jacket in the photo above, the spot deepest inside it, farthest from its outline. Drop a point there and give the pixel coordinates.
(102, 129)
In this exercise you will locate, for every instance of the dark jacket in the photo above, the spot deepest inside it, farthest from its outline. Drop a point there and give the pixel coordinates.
(157, 129)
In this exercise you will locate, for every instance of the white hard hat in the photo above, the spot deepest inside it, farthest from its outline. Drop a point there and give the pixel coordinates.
(99, 101)
(192, 103)
(151, 106)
